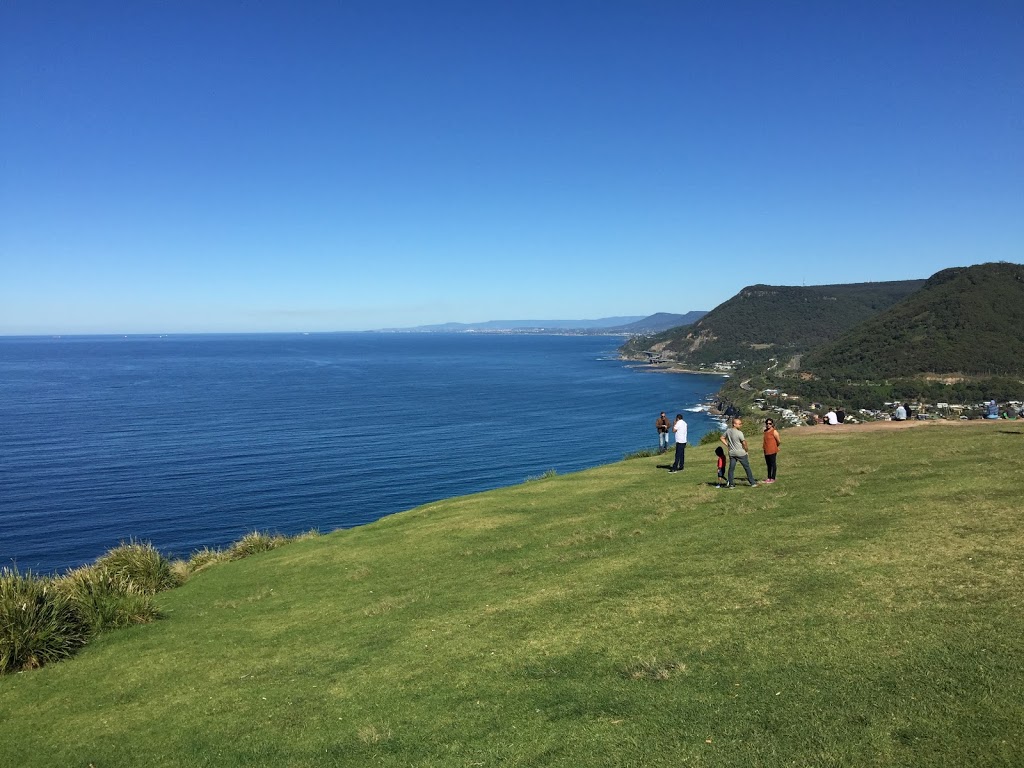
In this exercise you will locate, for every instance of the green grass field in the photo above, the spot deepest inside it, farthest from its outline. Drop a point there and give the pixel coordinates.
(866, 610)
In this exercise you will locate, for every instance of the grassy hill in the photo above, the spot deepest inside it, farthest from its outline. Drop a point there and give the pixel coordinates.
(764, 321)
(964, 321)
(864, 611)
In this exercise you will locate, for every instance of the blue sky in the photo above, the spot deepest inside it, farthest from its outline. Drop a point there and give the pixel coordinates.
(269, 166)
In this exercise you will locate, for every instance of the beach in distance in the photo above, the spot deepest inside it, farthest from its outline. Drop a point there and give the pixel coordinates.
(192, 441)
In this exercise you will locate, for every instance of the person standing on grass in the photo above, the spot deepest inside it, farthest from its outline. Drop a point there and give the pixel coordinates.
(720, 466)
(680, 430)
(736, 442)
(771, 448)
(663, 426)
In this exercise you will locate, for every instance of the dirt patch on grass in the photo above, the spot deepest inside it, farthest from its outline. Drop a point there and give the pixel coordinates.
(890, 426)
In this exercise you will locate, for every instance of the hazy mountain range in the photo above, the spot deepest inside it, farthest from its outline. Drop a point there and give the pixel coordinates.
(627, 325)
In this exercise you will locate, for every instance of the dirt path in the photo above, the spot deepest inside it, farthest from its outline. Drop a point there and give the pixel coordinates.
(888, 426)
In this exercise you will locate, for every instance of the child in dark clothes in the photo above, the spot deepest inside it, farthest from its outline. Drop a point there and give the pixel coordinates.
(721, 467)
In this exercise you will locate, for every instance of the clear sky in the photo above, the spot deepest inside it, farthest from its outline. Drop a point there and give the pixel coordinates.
(276, 166)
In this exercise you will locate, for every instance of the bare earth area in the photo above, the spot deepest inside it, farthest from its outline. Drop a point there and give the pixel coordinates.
(888, 426)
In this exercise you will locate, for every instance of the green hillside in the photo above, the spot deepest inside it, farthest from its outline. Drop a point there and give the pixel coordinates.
(764, 321)
(863, 611)
(964, 321)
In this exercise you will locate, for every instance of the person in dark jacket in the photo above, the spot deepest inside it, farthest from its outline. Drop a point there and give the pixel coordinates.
(663, 427)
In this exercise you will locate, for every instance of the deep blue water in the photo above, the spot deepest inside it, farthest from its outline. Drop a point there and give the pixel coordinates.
(192, 441)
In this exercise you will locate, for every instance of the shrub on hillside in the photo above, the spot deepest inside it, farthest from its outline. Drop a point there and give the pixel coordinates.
(38, 624)
(711, 437)
(106, 600)
(250, 544)
(257, 541)
(142, 564)
(204, 557)
(546, 474)
(642, 454)
(180, 571)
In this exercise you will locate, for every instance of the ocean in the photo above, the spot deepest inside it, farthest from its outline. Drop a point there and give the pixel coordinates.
(193, 441)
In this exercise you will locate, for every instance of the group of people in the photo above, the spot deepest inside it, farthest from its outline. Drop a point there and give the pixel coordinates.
(835, 416)
(734, 441)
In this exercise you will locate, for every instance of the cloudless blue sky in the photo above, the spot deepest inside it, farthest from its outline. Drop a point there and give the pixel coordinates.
(262, 166)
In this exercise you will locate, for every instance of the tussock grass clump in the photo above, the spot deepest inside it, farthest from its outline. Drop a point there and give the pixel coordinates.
(203, 558)
(38, 623)
(312, 533)
(43, 620)
(142, 564)
(255, 542)
(106, 599)
(542, 476)
(644, 453)
(180, 571)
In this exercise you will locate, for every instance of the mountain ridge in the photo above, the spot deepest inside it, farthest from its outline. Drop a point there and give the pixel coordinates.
(964, 321)
(765, 321)
(620, 325)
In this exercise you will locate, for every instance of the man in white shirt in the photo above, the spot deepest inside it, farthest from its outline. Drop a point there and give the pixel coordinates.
(679, 428)
(831, 418)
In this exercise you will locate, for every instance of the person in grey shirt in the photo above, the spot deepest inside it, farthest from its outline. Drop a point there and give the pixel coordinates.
(736, 442)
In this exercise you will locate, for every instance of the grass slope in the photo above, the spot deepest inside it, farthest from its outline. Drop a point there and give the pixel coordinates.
(864, 611)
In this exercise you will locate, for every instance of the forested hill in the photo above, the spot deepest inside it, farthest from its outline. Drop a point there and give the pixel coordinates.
(965, 320)
(764, 321)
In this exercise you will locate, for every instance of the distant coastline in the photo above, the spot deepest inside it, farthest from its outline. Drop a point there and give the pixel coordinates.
(625, 326)
(508, 332)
